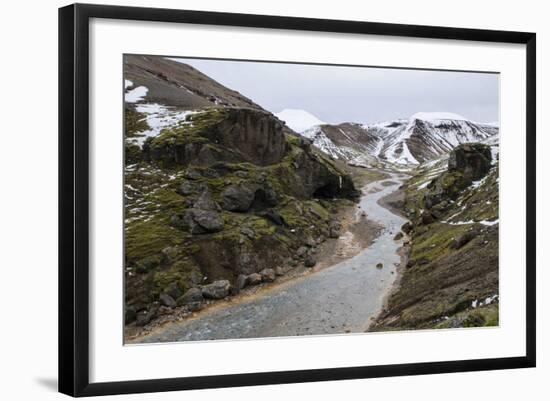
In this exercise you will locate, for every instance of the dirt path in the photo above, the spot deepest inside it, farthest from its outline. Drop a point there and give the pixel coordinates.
(339, 299)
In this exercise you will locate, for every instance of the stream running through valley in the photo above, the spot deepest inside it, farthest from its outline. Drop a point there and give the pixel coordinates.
(341, 298)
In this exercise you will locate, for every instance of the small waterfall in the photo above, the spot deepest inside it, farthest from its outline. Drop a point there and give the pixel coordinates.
(340, 182)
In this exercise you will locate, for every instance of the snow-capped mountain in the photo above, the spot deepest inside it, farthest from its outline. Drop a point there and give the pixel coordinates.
(422, 137)
(429, 135)
(299, 120)
(348, 141)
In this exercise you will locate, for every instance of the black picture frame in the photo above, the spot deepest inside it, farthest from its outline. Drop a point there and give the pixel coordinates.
(74, 201)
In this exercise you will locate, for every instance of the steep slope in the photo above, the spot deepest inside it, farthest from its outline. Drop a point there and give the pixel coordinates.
(451, 278)
(172, 83)
(423, 137)
(349, 142)
(215, 192)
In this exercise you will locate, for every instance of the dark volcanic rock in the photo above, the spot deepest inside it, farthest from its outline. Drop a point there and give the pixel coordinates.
(167, 300)
(463, 239)
(237, 198)
(407, 227)
(249, 195)
(217, 290)
(192, 295)
(471, 159)
(310, 261)
(199, 221)
(241, 281)
(173, 290)
(268, 275)
(254, 279)
(205, 202)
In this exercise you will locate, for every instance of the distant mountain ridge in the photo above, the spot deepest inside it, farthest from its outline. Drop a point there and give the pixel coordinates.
(422, 137)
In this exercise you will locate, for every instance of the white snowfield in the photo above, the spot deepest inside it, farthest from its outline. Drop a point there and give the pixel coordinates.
(136, 94)
(159, 117)
(299, 120)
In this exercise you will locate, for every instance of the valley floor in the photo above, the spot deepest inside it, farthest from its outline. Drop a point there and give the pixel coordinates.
(344, 293)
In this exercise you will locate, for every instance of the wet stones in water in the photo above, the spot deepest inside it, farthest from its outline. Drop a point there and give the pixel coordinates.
(398, 236)
(379, 265)
(217, 290)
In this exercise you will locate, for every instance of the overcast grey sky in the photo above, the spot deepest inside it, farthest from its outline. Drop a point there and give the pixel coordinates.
(358, 94)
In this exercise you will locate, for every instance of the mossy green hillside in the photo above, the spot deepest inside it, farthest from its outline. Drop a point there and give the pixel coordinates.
(453, 256)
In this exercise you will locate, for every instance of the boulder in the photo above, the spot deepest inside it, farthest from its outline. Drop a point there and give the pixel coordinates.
(240, 282)
(173, 290)
(199, 221)
(273, 216)
(463, 239)
(427, 218)
(145, 316)
(268, 275)
(217, 290)
(167, 300)
(407, 227)
(195, 306)
(471, 159)
(237, 198)
(187, 188)
(205, 202)
(335, 229)
(379, 265)
(279, 271)
(310, 261)
(254, 279)
(301, 252)
(192, 295)
(398, 236)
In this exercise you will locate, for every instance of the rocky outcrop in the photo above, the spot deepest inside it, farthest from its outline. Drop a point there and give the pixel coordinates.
(220, 135)
(473, 160)
(248, 195)
(467, 163)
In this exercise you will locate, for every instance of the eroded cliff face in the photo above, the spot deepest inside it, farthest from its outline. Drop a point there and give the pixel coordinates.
(222, 195)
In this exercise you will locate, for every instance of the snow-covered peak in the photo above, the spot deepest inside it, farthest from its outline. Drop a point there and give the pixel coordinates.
(299, 120)
(437, 115)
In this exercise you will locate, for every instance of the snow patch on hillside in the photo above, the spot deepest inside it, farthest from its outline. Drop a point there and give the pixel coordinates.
(159, 117)
(299, 120)
(136, 95)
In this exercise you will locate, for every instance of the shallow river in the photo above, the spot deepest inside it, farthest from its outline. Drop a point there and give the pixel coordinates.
(339, 299)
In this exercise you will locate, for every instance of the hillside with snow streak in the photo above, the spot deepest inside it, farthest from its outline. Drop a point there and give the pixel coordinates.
(429, 135)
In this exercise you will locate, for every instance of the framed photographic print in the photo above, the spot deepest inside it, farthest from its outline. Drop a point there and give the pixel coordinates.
(249, 199)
